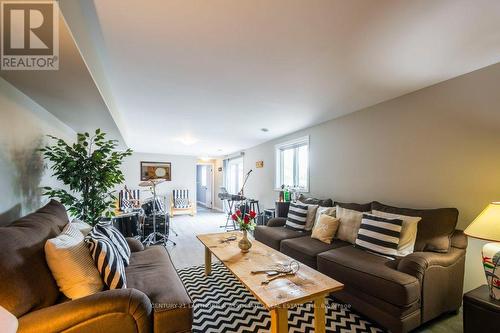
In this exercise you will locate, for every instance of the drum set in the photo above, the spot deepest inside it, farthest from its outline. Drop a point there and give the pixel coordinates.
(147, 221)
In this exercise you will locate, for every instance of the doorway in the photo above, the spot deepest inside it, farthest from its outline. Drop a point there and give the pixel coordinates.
(205, 184)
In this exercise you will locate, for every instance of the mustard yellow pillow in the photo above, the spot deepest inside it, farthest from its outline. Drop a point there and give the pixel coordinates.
(325, 229)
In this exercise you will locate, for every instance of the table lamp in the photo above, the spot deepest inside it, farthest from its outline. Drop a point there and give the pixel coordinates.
(8, 322)
(487, 227)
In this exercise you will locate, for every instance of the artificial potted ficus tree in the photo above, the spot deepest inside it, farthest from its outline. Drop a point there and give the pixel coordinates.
(90, 168)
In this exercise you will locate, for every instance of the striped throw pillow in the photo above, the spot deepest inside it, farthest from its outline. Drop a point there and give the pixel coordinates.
(379, 235)
(297, 217)
(106, 229)
(108, 261)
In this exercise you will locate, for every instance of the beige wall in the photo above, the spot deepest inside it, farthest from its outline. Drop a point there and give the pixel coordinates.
(23, 129)
(437, 147)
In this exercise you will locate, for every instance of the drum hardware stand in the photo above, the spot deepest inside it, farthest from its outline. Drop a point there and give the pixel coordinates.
(155, 237)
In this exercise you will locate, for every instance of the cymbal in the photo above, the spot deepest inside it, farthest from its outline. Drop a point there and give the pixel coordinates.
(151, 182)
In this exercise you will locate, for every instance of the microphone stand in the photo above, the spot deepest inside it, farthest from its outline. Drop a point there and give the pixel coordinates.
(246, 179)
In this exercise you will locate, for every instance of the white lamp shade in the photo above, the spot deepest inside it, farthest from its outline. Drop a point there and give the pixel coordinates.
(487, 225)
(8, 322)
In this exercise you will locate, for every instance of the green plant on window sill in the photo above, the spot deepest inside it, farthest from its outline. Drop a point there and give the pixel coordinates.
(90, 168)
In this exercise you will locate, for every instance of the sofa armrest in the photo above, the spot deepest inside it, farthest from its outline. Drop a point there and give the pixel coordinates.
(276, 222)
(128, 309)
(417, 263)
(441, 277)
(134, 244)
(459, 240)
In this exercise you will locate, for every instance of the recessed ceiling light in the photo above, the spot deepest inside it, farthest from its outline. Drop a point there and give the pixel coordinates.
(264, 129)
(186, 140)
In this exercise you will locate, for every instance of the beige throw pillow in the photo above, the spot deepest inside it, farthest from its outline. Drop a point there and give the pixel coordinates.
(311, 216)
(408, 231)
(326, 228)
(350, 220)
(71, 264)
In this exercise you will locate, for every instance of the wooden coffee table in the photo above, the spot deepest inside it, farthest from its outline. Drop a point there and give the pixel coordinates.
(279, 295)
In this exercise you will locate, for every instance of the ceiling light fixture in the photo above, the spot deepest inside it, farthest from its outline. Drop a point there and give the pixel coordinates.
(186, 140)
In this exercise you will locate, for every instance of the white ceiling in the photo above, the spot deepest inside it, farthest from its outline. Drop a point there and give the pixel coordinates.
(212, 73)
(69, 93)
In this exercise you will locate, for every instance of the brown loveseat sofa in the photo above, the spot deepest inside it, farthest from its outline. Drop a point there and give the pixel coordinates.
(399, 294)
(155, 299)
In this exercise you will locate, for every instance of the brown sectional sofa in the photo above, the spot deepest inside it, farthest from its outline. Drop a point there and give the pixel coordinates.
(155, 299)
(399, 294)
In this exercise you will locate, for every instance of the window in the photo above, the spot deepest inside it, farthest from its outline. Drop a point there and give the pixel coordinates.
(292, 164)
(234, 175)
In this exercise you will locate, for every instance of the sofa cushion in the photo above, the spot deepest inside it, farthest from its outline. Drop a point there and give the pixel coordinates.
(372, 274)
(379, 235)
(434, 230)
(314, 201)
(272, 236)
(326, 228)
(107, 259)
(305, 249)
(355, 206)
(27, 283)
(152, 272)
(71, 264)
(297, 217)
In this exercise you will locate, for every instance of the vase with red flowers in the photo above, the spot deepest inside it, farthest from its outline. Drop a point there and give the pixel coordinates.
(246, 222)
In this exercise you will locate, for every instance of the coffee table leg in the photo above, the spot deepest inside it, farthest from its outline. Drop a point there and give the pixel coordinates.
(319, 315)
(208, 261)
(279, 320)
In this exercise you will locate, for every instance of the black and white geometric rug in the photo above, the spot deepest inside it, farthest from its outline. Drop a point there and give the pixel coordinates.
(222, 304)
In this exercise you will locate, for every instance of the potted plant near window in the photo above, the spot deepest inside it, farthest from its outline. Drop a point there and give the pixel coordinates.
(246, 222)
(90, 169)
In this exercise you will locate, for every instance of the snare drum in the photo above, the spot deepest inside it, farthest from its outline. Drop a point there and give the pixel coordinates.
(147, 206)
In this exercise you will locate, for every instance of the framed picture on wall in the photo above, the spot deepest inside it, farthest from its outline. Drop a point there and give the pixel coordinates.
(153, 170)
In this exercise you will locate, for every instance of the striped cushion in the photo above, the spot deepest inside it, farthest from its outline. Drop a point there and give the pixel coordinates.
(181, 198)
(379, 235)
(107, 259)
(297, 217)
(108, 230)
(181, 203)
(71, 264)
(126, 198)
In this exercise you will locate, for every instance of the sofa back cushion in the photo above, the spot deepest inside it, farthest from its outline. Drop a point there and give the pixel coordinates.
(314, 201)
(26, 280)
(435, 228)
(363, 208)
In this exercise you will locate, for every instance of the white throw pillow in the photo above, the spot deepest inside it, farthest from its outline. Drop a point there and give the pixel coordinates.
(71, 264)
(350, 221)
(82, 226)
(408, 231)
